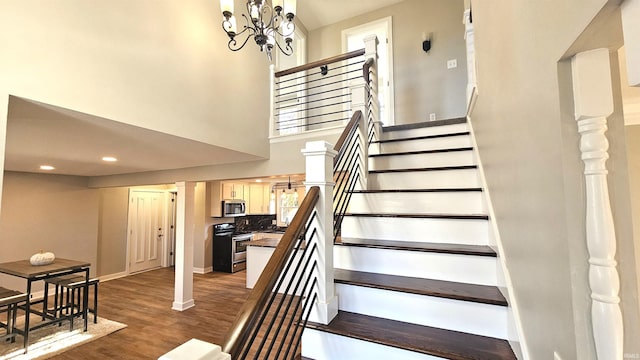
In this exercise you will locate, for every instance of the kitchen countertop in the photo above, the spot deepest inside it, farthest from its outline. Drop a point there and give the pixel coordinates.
(264, 242)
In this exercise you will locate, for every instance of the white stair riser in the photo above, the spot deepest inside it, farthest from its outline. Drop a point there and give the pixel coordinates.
(320, 345)
(447, 142)
(456, 315)
(459, 231)
(452, 158)
(426, 131)
(450, 202)
(465, 178)
(481, 270)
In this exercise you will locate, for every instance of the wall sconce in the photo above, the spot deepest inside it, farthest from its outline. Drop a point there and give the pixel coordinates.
(426, 41)
(426, 45)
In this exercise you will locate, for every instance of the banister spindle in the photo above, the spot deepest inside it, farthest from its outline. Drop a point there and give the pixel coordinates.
(593, 103)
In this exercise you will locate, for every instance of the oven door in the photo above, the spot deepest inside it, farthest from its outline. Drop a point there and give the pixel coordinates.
(239, 246)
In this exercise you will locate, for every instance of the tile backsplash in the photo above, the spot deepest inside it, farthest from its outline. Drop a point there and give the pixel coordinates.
(255, 222)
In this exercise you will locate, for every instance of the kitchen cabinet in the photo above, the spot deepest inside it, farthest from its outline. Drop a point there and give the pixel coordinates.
(224, 190)
(259, 199)
(234, 191)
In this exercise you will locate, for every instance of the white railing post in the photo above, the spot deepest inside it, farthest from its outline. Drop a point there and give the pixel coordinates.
(319, 172)
(593, 103)
(471, 55)
(272, 103)
(364, 98)
(371, 52)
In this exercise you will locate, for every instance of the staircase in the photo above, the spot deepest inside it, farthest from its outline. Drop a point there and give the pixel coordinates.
(414, 273)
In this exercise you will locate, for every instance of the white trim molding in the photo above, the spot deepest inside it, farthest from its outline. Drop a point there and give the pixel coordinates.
(593, 101)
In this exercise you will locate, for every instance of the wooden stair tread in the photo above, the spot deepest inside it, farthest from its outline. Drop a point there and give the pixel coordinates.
(424, 124)
(461, 249)
(483, 294)
(425, 137)
(423, 339)
(421, 152)
(424, 216)
(440, 168)
(415, 190)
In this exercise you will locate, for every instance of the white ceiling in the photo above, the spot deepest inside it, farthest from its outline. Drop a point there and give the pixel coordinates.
(315, 14)
(74, 142)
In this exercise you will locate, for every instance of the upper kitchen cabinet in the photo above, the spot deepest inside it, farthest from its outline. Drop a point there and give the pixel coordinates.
(256, 195)
(259, 200)
(233, 190)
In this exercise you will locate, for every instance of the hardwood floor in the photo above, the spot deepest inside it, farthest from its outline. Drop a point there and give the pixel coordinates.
(143, 302)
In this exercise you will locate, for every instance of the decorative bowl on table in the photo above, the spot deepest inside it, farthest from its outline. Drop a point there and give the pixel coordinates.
(42, 258)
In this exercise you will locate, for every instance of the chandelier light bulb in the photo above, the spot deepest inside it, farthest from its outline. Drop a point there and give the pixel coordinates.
(227, 8)
(290, 8)
(270, 26)
(278, 5)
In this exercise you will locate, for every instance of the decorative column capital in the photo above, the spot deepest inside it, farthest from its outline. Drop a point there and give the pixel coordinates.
(592, 93)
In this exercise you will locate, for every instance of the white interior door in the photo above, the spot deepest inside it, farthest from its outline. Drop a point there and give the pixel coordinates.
(353, 39)
(146, 229)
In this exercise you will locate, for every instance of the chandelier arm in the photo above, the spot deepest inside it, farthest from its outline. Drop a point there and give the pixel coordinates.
(232, 45)
(288, 50)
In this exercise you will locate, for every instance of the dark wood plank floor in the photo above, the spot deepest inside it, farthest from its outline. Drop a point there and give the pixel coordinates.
(143, 302)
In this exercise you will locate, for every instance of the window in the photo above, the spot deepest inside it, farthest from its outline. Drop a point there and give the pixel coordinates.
(288, 206)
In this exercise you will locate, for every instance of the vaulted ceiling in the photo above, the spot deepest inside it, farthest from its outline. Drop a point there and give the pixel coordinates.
(74, 143)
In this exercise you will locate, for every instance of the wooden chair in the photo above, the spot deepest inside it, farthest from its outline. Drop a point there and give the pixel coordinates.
(9, 302)
(68, 296)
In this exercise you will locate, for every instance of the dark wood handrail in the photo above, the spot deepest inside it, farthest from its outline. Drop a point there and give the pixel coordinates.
(353, 123)
(365, 69)
(251, 309)
(315, 64)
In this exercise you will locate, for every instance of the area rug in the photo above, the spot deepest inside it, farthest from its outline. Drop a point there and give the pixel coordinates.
(52, 340)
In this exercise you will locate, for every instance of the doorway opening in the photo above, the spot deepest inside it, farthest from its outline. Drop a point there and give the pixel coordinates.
(146, 229)
(353, 39)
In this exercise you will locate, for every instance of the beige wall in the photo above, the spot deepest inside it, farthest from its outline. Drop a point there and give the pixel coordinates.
(50, 213)
(633, 157)
(529, 146)
(163, 65)
(112, 231)
(423, 85)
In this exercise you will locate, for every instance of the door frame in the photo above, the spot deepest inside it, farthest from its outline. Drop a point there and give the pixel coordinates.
(164, 246)
(387, 24)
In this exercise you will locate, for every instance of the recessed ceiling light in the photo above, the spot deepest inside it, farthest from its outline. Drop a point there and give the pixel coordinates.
(258, 180)
(109, 159)
(46, 167)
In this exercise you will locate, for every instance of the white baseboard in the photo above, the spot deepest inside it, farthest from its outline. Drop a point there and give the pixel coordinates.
(202, 270)
(113, 276)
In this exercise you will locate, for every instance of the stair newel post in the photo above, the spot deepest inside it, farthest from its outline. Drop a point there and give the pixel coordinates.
(593, 103)
(373, 103)
(319, 172)
(471, 54)
(272, 103)
(364, 98)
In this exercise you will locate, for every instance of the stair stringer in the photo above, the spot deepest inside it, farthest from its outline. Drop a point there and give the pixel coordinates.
(514, 330)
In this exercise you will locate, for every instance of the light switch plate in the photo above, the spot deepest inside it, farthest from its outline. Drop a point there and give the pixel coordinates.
(453, 63)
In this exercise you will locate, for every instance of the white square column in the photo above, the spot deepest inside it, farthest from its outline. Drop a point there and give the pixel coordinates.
(183, 288)
(319, 166)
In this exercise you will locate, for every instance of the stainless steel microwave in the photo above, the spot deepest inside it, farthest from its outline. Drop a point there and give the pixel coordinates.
(234, 207)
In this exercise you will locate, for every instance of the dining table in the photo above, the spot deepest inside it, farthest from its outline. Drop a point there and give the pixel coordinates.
(32, 273)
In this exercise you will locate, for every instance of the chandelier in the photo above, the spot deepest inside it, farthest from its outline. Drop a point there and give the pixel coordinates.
(268, 25)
